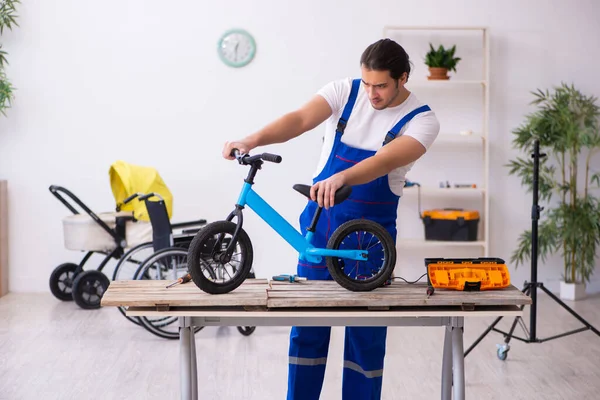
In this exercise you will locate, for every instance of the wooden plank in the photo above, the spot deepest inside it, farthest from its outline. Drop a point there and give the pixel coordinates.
(330, 294)
(3, 238)
(150, 293)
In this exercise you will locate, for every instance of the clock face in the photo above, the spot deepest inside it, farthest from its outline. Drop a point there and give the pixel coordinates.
(236, 48)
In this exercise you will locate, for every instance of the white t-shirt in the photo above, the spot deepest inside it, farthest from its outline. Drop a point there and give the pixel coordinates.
(367, 127)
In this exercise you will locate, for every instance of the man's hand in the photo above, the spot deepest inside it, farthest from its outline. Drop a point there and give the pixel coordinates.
(244, 146)
(323, 192)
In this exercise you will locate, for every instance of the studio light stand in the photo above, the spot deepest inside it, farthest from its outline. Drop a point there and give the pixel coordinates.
(530, 288)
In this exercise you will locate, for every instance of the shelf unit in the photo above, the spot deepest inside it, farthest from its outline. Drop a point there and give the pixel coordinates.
(471, 77)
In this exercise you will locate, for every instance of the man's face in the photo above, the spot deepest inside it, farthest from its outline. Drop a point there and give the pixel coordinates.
(380, 87)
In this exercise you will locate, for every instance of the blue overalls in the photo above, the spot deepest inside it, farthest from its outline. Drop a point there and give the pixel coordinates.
(364, 347)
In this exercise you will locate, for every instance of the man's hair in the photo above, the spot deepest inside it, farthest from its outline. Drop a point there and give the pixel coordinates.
(386, 55)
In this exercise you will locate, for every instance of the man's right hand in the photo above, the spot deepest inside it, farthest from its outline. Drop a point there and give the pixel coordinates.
(243, 146)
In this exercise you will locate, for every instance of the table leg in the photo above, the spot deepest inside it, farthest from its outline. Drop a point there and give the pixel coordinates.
(447, 365)
(458, 358)
(194, 364)
(187, 358)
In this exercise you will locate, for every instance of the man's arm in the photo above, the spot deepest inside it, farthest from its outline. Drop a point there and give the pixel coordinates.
(401, 151)
(397, 153)
(286, 127)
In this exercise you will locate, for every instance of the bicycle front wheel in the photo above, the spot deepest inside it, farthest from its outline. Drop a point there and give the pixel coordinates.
(213, 268)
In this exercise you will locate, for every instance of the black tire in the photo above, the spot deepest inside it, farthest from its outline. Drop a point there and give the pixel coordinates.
(388, 252)
(246, 330)
(61, 281)
(202, 249)
(159, 262)
(88, 289)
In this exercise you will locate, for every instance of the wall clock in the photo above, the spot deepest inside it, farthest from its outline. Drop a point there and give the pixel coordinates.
(236, 48)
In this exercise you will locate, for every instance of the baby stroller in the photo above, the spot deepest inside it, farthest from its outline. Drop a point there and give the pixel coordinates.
(109, 234)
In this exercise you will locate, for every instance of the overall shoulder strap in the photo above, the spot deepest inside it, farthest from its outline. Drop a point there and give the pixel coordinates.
(348, 108)
(391, 135)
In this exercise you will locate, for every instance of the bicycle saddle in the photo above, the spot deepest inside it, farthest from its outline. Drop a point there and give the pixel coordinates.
(340, 195)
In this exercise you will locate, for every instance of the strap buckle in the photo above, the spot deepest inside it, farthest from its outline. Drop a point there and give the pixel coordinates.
(341, 125)
(389, 137)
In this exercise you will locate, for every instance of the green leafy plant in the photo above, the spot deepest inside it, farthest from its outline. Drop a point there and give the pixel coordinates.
(567, 127)
(7, 20)
(441, 58)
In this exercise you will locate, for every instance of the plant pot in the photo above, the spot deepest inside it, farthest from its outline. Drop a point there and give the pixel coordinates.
(438, 74)
(572, 291)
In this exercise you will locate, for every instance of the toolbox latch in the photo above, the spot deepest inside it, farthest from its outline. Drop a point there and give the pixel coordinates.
(472, 286)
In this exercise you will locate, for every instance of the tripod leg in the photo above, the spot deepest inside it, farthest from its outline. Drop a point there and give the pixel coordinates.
(526, 289)
(480, 338)
(566, 307)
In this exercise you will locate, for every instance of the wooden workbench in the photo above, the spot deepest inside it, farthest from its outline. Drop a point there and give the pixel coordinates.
(316, 303)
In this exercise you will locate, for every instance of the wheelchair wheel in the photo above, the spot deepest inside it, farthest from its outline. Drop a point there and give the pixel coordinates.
(212, 269)
(88, 289)
(128, 265)
(61, 281)
(358, 276)
(166, 264)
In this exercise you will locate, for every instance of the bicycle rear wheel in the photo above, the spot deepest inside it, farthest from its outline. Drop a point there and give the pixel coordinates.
(360, 276)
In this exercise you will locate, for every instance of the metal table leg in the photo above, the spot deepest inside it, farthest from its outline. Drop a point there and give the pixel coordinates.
(458, 358)
(447, 365)
(187, 357)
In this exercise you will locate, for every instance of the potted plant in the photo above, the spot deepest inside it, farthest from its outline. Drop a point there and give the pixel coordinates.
(566, 125)
(440, 61)
(7, 20)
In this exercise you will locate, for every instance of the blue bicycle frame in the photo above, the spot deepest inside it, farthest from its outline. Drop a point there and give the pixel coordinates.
(303, 244)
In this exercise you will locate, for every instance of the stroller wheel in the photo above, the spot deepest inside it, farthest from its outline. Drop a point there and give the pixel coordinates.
(61, 281)
(88, 288)
(246, 330)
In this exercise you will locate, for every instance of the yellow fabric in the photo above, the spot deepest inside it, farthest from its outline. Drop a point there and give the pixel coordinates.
(127, 179)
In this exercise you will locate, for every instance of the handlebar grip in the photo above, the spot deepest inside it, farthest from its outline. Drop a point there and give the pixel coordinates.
(146, 196)
(133, 196)
(271, 157)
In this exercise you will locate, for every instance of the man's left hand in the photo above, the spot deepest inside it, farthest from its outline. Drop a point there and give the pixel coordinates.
(323, 192)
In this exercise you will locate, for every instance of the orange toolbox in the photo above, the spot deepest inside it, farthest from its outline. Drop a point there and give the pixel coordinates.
(451, 224)
(467, 274)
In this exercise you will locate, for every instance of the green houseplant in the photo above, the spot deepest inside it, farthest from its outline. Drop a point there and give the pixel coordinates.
(566, 125)
(440, 61)
(7, 20)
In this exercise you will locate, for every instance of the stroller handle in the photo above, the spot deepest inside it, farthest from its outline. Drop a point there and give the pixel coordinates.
(54, 189)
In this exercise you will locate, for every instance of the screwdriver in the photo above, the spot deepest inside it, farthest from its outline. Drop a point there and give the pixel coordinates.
(288, 278)
(184, 279)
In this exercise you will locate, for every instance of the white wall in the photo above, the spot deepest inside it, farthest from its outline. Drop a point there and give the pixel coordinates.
(141, 81)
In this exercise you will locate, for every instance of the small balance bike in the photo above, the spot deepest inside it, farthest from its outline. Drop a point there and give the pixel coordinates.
(360, 254)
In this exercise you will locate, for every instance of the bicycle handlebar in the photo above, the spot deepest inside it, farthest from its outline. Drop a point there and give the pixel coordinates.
(247, 159)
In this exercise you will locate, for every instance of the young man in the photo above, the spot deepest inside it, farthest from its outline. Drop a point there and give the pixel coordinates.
(375, 130)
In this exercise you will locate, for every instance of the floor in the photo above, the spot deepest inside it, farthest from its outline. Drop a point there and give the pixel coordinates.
(54, 350)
